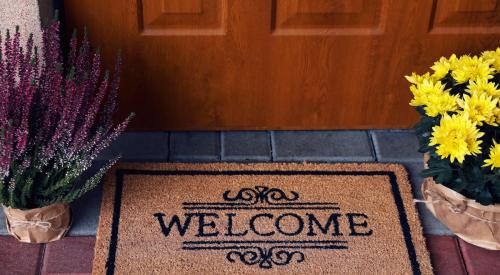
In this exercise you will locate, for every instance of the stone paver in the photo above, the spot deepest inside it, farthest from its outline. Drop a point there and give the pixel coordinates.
(138, 146)
(414, 169)
(479, 261)
(3, 228)
(430, 224)
(445, 255)
(194, 146)
(396, 146)
(19, 258)
(86, 213)
(73, 255)
(330, 146)
(246, 146)
(69, 255)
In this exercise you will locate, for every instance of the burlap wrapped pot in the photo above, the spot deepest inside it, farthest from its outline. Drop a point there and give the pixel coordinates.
(471, 221)
(39, 225)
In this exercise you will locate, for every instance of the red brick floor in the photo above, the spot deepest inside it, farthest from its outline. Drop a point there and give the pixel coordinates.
(73, 255)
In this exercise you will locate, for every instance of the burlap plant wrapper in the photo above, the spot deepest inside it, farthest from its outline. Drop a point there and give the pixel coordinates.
(474, 223)
(39, 225)
(131, 240)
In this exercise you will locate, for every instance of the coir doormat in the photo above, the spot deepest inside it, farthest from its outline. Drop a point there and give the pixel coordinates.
(259, 219)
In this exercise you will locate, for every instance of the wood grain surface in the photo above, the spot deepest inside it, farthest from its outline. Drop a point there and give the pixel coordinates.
(278, 64)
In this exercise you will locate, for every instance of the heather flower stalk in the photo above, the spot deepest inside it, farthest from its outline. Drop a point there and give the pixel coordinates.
(55, 118)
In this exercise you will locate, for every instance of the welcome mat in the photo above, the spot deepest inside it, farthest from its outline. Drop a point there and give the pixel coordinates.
(259, 219)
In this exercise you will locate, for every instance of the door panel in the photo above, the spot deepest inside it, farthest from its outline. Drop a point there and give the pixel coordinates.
(278, 64)
(182, 17)
(466, 16)
(330, 17)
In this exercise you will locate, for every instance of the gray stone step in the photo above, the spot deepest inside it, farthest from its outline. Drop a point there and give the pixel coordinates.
(257, 146)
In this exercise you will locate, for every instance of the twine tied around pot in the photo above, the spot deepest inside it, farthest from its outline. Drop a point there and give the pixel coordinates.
(456, 208)
(38, 225)
(45, 226)
(471, 221)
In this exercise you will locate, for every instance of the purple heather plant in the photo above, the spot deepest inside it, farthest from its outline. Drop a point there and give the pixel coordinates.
(55, 117)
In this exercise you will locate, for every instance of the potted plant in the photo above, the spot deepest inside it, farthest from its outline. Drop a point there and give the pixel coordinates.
(55, 117)
(459, 132)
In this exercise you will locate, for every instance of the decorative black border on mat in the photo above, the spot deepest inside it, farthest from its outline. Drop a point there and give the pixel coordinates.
(120, 173)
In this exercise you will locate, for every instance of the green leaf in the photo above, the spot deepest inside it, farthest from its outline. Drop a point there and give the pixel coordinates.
(26, 193)
(425, 125)
(440, 174)
(424, 149)
(459, 183)
(89, 184)
(445, 177)
(420, 110)
(485, 197)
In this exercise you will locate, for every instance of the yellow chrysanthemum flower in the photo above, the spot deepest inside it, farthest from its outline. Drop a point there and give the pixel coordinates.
(418, 79)
(479, 108)
(443, 66)
(454, 62)
(497, 115)
(494, 156)
(493, 55)
(422, 91)
(483, 86)
(440, 104)
(456, 137)
(472, 68)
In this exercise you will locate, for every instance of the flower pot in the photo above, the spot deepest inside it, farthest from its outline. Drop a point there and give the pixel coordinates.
(471, 221)
(39, 225)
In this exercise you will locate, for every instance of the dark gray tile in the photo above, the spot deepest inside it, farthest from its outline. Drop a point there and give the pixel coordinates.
(3, 228)
(289, 146)
(321, 146)
(246, 146)
(430, 224)
(414, 169)
(85, 213)
(194, 146)
(393, 146)
(139, 146)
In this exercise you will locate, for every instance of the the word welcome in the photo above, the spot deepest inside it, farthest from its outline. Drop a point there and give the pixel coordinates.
(210, 224)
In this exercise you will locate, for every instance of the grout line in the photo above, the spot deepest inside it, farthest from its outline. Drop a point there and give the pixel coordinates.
(409, 130)
(273, 146)
(462, 260)
(221, 145)
(41, 259)
(372, 145)
(245, 158)
(168, 145)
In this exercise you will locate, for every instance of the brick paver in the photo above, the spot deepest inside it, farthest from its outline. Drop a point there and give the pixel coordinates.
(69, 255)
(73, 255)
(445, 255)
(19, 258)
(480, 261)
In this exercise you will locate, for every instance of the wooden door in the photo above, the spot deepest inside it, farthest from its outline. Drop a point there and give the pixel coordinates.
(278, 64)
